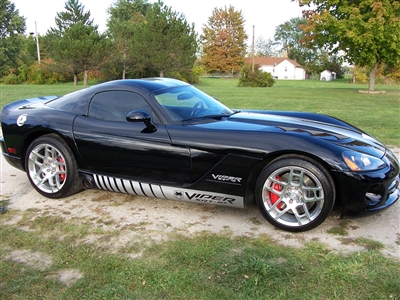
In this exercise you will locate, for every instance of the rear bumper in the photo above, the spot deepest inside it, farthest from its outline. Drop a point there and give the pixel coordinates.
(12, 160)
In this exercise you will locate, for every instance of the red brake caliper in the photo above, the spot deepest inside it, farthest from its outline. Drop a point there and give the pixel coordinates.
(62, 169)
(274, 197)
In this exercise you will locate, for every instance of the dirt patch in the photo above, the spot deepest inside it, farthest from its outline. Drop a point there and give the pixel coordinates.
(67, 277)
(371, 92)
(36, 260)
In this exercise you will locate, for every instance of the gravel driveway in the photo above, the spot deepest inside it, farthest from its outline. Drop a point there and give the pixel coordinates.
(154, 219)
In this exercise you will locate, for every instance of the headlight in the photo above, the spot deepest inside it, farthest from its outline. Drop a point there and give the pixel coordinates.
(362, 162)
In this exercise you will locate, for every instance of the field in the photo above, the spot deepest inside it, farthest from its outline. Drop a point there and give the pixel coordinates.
(51, 251)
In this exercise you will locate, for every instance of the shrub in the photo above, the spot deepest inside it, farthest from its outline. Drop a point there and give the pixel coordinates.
(393, 73)
(384, 75)
(12, 79)
(256, 78)
(43, 74)
(192, 76)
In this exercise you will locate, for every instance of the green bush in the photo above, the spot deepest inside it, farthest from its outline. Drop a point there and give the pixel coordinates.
(35, 73)
(256, 78)
(42, 74)
(384, 75)
(12, 79)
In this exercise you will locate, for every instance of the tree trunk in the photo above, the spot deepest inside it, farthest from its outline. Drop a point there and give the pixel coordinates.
(372, 75)
(75, 79)
(124, 67)
(162, 73)
(85, 77)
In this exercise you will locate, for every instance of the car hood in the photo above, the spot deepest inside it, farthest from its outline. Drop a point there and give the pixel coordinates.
(332, 130)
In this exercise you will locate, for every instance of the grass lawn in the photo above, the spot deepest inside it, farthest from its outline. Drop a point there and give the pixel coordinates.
(53, 257)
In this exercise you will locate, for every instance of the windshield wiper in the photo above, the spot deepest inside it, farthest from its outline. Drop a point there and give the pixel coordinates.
(234, 112)
(207, 117)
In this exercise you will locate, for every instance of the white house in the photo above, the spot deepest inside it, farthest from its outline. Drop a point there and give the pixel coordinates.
(279, 67)
(327, 75)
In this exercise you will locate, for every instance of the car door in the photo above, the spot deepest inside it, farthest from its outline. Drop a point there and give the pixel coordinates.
(108, 144)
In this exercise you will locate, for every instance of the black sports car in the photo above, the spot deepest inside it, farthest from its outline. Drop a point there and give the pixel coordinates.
(164, 138)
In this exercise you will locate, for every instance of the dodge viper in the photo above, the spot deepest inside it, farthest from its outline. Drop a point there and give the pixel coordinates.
(164, 138)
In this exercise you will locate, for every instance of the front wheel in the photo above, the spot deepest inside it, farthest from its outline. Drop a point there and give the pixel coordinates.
(51, 167)
(295, 193)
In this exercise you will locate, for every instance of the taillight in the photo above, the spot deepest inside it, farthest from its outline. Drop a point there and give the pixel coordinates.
(12, 150)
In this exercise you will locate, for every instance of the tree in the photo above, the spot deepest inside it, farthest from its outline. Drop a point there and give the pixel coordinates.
(12, 26)
(124, 14)
(75, 44)
(289, 34)
(224, 40)
(264, 48)
(81, 48)
(332, 63)
(74, 13)
(313, 59)
(290, 37)
(165, 43)
(367, 31)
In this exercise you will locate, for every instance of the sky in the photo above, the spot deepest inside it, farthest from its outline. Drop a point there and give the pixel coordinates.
(263, 18)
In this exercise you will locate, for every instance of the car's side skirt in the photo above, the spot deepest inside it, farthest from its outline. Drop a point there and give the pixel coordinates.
(126, 186)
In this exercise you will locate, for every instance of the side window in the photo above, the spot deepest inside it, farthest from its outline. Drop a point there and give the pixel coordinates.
(114, 105)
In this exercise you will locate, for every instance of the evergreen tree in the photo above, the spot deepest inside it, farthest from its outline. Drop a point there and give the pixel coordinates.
(75, 44)
(74, 13)
(165, 44)
(12, 27)
(124, 14)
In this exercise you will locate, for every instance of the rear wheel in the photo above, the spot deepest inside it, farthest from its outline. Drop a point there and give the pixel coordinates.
(51, 167)
(295, 193)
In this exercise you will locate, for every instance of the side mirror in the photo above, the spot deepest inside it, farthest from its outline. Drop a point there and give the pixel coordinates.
(140, 116)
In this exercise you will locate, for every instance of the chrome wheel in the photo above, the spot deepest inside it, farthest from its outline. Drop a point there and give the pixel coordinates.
(295, 193)
(51, 167)
(293, 196)
(47, 168)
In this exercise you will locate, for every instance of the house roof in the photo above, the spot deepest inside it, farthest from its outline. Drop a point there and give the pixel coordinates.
(270, 61)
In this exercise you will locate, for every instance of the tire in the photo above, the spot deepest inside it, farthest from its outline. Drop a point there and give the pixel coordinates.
(51, 167)
(295, 193)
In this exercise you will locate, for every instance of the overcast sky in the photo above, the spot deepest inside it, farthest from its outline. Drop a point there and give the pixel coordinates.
(264, 17)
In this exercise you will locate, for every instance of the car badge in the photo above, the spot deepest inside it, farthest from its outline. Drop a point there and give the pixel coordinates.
(22, 119)
(178, 195)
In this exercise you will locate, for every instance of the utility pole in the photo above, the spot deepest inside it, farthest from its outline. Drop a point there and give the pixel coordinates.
(252, 52)
(35, 34)
(37, 43)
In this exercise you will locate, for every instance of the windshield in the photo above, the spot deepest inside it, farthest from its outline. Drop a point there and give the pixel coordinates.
(187, 102)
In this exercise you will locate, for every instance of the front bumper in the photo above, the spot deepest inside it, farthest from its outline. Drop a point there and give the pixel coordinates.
(369, 191)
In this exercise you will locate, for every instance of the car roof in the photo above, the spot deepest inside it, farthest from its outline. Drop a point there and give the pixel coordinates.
(143, 85)
(77, 102)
